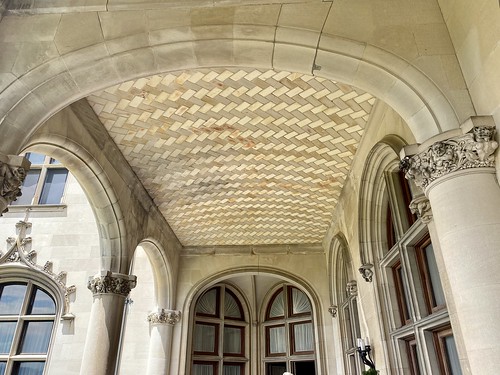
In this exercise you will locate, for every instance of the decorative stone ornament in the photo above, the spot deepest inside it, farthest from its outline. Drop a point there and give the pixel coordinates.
(333, 309)
(164, 316)
(13, 171)
(472, 150)
(366, 271)
(111, 283)
(352, 288)
(422, 207)
(20, 254)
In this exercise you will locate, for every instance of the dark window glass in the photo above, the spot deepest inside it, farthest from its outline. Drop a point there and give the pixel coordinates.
(53, 188)
(232, 308)
(404, 307)
(29, 188)
(7, 330)
(11, 298)
(36, 336)
(41, 304)
(204, 368)
(233, 369)
(276, 368)
(28, 368)
(233, 340)
(205, 337)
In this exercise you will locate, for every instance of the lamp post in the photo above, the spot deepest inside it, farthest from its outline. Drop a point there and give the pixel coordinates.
(364, 350)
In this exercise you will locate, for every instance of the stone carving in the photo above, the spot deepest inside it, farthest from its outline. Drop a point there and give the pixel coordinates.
(366, 271)
(111, 283)
(164, 316)
(422, 207)
(472, 150)
(12, 174)
(20, 253)
(333, 309)
(352, 288)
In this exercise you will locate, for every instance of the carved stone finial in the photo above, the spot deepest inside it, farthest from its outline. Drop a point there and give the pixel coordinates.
(333, 309)
(111, 283)
(472, 150)
(422, 207)
(366, 271)
(352, 288)
(164, 316)
(13, 171)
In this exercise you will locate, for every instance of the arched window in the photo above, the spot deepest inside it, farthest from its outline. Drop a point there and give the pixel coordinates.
(27, 316)
(219, 345)
(289, 334)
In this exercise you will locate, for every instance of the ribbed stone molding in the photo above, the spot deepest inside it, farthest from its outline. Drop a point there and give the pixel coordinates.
(13, 171)
(474, 149)
(352, 288)
(164, 316)
(422, 208)
(333, 309)
(111, 283)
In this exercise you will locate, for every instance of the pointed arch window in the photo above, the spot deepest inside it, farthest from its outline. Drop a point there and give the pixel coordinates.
(219, 334)
(27, 316)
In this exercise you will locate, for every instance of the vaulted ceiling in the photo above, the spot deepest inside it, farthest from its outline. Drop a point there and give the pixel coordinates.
(238, 156)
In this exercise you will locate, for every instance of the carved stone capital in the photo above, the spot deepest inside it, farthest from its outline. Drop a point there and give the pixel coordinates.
(472, 150)
(352, 288)
(422, 207)
(333, 309)
(366, 271)
(164, 316)
(13, 171)
(111, 283)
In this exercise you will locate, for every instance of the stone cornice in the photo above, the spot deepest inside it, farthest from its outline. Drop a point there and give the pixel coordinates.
(164, 316)
(13, 171)
(472, 150)
(111, 283)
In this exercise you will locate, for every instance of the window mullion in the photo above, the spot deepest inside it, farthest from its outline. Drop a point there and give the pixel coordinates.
(40, 185)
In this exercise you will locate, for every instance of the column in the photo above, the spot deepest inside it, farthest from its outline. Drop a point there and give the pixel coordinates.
(103, 337)
(161, 325)
(13, 171)
(457, 174)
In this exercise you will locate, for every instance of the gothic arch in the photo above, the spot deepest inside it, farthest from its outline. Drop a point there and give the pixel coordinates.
(55, 84)
(337, 257)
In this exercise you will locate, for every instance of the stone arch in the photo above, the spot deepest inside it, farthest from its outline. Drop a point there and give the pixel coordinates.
(197, 289)
(383, 157)
(337, 256)
(98, 191)
(53, 85)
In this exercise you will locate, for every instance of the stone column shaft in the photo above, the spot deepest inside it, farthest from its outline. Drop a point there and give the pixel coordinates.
(103, 337)
(458, 177)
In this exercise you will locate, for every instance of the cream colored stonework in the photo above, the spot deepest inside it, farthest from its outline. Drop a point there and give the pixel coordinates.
(238, 157)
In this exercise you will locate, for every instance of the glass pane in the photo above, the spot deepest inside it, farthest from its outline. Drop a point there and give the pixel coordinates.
(278, 306)
(437, 289)
(231, 307)
(207, 304)
(203, 369)
(28, 188)
(6, 334)
(276, 368)
(356, 330)
(53, 188)
(28, 368)
(348, 334)
(232, 370)
(277, 340)
(3, 365)
(300, 302)
(451, 350)
(303, 336)
(35, 158)
(41, 303)
(35, 338)
(11, 298)
(232, 340)
(204, 338)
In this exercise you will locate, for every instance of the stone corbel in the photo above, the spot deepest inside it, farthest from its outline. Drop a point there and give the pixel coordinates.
(422, 208)
(352, 288)
(164, 316)
(111, 283)
(366, 271)
(333, 309)
(474, 149)
(13, 171)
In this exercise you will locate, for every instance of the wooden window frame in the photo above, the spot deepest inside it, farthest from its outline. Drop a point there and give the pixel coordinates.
(293, 351)
(240, 307)
(217, 304)
(290, 303)
(268, 341)
(401, 296)
(441, 351)
(241, 365)
(412, 355)
(216, 338)
(242, 341)
(271, 302)
(215, 365)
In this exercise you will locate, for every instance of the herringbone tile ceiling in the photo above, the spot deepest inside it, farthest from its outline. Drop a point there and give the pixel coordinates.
(238, 156)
